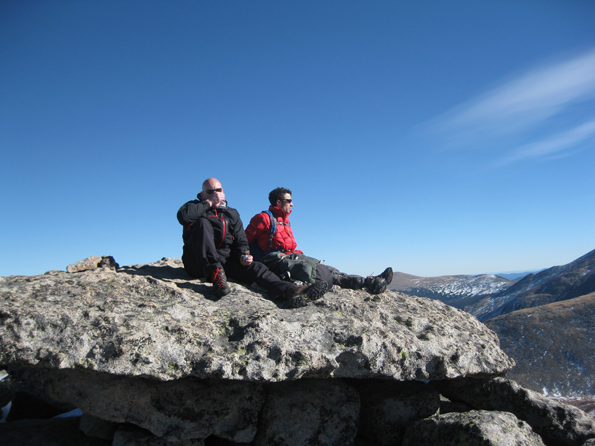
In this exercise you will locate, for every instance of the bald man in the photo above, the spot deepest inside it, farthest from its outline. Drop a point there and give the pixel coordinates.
(215, 245)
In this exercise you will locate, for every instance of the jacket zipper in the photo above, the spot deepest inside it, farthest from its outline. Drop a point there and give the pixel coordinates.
(223, 226)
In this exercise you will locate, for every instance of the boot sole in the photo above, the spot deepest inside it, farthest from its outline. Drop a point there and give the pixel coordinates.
(297, 302)
(387, 275)
(316, 291)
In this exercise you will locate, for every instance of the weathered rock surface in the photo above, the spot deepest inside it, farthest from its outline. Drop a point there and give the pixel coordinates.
(475, 428)
(129, 435)
(152, 358)
(93, 262)
(179, 409)
(557, 423)
(97, 427)
(320, 412)
(152, 321)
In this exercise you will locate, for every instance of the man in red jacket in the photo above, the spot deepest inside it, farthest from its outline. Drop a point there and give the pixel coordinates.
(215, 244)
(263, 241)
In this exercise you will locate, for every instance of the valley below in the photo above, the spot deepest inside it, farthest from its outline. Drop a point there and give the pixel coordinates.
(545, 321)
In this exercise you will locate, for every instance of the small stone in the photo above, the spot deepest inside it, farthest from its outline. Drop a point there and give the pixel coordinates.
(108, 262)
(84, 265)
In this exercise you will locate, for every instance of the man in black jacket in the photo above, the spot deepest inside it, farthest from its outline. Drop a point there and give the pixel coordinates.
(215, 245)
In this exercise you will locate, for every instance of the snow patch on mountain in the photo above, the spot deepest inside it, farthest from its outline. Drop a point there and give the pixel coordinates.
(449, 288)
(558, 281)
(465, 286)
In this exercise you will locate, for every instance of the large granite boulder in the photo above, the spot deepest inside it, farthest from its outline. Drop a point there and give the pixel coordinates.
(154, 358)
(153, 322)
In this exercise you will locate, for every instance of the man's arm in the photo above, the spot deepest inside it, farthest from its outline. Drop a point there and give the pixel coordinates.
(192, 211)
(240, 241)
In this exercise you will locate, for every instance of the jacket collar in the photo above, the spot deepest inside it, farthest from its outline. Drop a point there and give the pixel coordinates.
(278, 212)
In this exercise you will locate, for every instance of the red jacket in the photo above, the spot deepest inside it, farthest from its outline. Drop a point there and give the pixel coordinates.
(259, 229)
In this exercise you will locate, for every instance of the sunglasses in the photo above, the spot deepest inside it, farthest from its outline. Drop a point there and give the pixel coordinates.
(212, 191)
(288, 201)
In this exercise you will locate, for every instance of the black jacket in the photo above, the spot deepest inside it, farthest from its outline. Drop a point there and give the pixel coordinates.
(227, 225)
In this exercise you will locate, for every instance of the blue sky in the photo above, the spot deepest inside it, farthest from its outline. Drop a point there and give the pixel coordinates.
(436, 137)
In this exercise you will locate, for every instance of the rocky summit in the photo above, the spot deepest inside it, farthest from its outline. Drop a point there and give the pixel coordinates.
(152, 321)
(161, 358)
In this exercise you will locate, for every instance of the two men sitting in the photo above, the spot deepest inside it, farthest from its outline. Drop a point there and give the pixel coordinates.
(216, 246)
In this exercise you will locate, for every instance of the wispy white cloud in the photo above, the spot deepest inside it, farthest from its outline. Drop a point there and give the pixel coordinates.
(555, 144)
(517, 116)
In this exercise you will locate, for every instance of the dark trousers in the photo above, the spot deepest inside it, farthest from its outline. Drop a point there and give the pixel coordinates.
(201, 256)
(328, 274)
(335, 277)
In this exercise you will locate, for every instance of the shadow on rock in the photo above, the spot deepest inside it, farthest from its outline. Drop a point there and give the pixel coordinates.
(200, 288)
(165, 272)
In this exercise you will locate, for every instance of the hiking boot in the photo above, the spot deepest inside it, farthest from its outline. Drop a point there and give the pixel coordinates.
(297, 301)
(375, 285)
(211, 274)
(387, 275)
(317, 290)
(351, 282)
(299, 296)
(220, 282)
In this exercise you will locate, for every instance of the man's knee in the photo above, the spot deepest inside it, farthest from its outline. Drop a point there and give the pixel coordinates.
(258, 269)
(260, 272)
(324, 273)
(200, 252)
(202, 236)
(200, 229)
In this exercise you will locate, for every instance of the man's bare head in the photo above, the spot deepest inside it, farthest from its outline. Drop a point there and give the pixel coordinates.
(211, 185)
(212, 192)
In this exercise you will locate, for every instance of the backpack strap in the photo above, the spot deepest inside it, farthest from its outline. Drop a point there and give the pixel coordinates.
(273, 228)
(255, 249)
(274, 224)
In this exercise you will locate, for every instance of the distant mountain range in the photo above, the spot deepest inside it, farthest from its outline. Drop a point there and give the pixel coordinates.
(457, 291)
(551, 285)
(517, 275)
(489, 295)
(545, 320)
